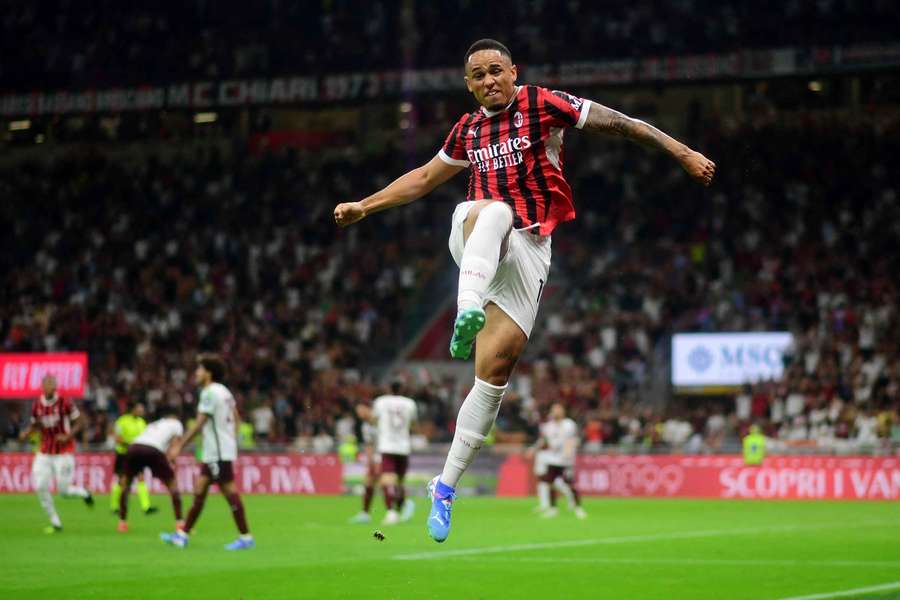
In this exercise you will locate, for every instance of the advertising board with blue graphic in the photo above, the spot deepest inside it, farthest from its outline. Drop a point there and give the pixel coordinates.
(727, 359)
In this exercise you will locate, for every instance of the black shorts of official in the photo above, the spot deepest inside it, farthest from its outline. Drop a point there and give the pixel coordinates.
(119, 465)
(221, 471)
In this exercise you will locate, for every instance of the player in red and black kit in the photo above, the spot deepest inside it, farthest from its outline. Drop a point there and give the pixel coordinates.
(501, 236)
(57, 420)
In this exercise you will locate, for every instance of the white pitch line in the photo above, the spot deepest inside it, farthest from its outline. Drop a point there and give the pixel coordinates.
(885, 587)
(626, 539)
(697, 561)
(568, 544)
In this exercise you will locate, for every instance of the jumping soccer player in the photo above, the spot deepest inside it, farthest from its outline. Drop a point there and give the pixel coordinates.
(218, 417)
(148, 450)
(559, 443)
(500, 237)
(393, 415)
(58, 421)
(127, 428)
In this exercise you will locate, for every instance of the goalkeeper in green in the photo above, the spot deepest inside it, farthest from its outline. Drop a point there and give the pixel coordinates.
(127, 428)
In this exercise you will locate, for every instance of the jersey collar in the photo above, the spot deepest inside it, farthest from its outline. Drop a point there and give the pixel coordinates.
(49, 401)
(491, 113)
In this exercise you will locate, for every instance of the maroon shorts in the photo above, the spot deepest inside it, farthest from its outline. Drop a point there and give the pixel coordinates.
(140, 457)
(221, 471)
(554, 471)
(374, 469)
(395, 463)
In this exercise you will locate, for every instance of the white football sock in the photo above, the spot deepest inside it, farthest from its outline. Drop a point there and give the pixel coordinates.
(46, 500)
(560, 484)
(73, 491)
(474, 421)
(481, 254)
(543, 490)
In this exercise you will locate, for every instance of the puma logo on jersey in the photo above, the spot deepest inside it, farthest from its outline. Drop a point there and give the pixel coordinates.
(473, 132)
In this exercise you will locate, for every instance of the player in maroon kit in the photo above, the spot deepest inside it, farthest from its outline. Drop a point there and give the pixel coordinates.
(500, 237)
(57, 420)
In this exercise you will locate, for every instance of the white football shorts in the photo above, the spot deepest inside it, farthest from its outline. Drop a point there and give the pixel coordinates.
(53, 467)
(521, 275)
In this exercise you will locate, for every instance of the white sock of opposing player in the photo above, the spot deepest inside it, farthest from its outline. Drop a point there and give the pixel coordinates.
(474, 421)
(543, 490)
(563, 487)
(482, 254)
(46, 500)
(73, 491)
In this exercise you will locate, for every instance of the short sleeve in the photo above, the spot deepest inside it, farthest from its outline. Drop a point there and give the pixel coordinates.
(178, 428)
(377, 408)
(70, 409)
(413, 411)
(565, 110)
(207, 404)
(118, 427)
(453, 152)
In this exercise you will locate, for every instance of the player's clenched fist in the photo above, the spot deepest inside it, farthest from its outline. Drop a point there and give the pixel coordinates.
(699, 167)
(348, 213)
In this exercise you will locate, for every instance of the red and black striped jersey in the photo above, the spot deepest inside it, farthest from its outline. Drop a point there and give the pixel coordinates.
(54, 417)
(515, 154)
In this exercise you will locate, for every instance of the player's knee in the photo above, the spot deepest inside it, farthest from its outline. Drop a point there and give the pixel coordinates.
(495, 375)
(498, 214)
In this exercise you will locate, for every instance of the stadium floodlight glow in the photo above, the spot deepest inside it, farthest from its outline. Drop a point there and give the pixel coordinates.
(22, 125)
(815, 85)
(406, 107)
(205, 117)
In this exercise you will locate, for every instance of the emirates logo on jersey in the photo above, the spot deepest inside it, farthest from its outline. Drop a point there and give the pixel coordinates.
(49, 421)
(518, 119)
(512, 146)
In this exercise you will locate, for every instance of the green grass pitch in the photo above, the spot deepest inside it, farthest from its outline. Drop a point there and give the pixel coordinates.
(626, 549)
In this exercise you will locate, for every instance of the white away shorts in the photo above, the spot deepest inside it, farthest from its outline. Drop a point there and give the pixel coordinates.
(53, 467)
(521, 275)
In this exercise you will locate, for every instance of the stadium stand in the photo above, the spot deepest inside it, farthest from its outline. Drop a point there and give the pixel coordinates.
(146, 259)
(55, 44)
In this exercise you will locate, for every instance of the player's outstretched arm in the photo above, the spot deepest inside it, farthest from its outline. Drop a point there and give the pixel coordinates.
(612, 122)
(403, 190)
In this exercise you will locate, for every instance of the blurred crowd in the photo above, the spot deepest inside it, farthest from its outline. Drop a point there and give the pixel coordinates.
(144, 260)
(800, 233)
(55, 43)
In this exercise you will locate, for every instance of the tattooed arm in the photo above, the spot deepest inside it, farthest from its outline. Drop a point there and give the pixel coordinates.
(612, 122)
